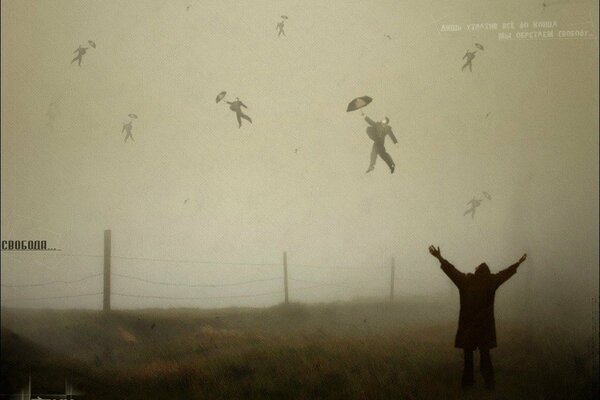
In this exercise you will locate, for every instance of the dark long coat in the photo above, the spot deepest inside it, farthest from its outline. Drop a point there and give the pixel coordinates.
(377, 131)
(476, 324)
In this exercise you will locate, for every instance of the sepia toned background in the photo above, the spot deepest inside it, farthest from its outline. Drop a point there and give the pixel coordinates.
(522, 126)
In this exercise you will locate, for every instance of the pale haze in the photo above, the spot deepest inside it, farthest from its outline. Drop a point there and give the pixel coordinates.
(294, 180)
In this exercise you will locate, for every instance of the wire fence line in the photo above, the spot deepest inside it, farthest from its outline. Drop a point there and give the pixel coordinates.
(54, 282)
(314, 283)
(208, 262)
(67, 296)
(194, 284)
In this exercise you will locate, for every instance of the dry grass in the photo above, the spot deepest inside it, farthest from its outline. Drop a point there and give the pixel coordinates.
(351, 351)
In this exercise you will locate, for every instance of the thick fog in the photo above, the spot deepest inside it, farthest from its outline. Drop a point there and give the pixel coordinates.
(195, 200)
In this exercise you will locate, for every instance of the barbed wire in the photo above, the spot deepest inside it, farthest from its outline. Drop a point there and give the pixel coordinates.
(53, 282)
(316, 284)
(194, 285)
(208, 262)
(142, 296)
(337, 267)
(208, 297)
(342, 285)
(59, 297)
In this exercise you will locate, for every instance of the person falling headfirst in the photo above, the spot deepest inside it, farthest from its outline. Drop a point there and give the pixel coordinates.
(237, 107)
(127, 128)
(469, 55)
(80, 52)
(377, 131)
(474, 204)
(476, 326)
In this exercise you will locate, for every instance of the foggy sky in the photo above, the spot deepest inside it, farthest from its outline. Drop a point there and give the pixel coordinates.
(251, 197)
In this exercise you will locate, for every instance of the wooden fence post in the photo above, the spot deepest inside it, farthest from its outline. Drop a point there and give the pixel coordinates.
(106, 302)
(392, 280)
(285, 277)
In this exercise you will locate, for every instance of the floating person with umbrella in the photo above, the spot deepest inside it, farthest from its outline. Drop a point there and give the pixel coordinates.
(237, 107)
(469, 55)
(80, 53)
(377, 131)
(474, 204)
(128, 127)
(279, 26)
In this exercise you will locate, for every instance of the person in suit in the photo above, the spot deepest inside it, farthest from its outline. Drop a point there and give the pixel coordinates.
(80, 52)
(476, 324)
(377, 131)
(237, 107)
(469, 55)
(474, 204)
(279, 28)
(127, 128)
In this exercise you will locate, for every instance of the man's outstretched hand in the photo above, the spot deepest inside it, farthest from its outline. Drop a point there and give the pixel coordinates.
(523, 258)
(435, 252)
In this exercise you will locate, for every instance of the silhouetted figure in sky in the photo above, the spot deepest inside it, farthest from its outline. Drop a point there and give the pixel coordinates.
(377, 131)
(279, 28)
(476, 325)
(80, 52)
(127, 128)
(237, 107)
(474, 204)
(469, 55)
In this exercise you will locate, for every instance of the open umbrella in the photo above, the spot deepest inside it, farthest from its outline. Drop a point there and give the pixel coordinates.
(359, 102)
(91, 42)
(486, 194)
(220, 96)
(132, 116)
(479, 46)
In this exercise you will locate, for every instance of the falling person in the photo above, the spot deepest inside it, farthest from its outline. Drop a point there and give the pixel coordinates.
(127, 128)
(80, 52)
(237, 107)
(476, 326)
(377, 131)
(474, 204)
(469, 55)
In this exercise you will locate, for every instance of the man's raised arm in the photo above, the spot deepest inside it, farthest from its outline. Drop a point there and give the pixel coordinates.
(369, 120)
(506, 273)
(455, 275)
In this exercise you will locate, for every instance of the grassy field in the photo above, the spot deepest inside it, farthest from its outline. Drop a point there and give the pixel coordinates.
(365, 350)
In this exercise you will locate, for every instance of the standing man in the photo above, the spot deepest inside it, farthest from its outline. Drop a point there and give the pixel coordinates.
(476, 324)
(237, 107)
(377, 131)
